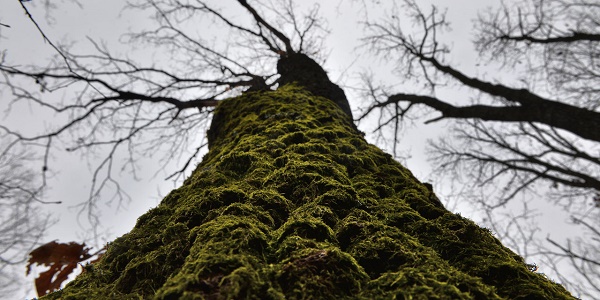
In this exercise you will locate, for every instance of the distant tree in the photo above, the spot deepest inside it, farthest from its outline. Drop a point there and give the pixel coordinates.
(289, 202)
(22, 222)
(533, 129)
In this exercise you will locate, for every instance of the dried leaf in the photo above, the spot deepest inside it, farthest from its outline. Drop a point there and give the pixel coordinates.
(62, 260)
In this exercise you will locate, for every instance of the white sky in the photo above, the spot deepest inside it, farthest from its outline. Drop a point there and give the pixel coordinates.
(104, 20)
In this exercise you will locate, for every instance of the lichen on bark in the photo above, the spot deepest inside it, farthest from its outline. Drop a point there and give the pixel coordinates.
(292, 203)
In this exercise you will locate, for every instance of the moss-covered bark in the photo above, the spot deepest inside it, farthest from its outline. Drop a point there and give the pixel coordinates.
(292, 203)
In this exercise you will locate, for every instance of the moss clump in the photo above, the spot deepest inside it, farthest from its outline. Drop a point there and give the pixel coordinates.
(292, 203)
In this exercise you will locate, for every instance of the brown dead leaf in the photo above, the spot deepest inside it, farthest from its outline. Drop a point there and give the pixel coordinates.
(62, 260)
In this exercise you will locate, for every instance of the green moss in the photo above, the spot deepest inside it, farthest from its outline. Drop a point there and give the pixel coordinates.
(292, 203)
(320, 274)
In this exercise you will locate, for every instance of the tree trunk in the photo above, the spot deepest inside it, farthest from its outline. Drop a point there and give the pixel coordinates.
(291, 202)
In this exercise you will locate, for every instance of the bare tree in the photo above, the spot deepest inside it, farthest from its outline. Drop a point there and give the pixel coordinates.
(118, 106)
(538, 132)
(290, 201)
(22, 222)
(581, 253)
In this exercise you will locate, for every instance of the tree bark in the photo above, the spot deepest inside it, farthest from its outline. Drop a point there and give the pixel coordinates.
(291, 202)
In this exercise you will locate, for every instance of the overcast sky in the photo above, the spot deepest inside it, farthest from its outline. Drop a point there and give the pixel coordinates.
(106, 21)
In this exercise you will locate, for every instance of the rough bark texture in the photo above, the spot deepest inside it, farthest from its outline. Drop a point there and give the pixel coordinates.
(292, 203)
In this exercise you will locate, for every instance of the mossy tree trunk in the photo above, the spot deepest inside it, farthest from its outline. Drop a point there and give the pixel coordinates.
(292, 203)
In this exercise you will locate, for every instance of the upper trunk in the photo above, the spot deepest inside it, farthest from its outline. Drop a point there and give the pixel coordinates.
(303, 70)
(291, 202)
